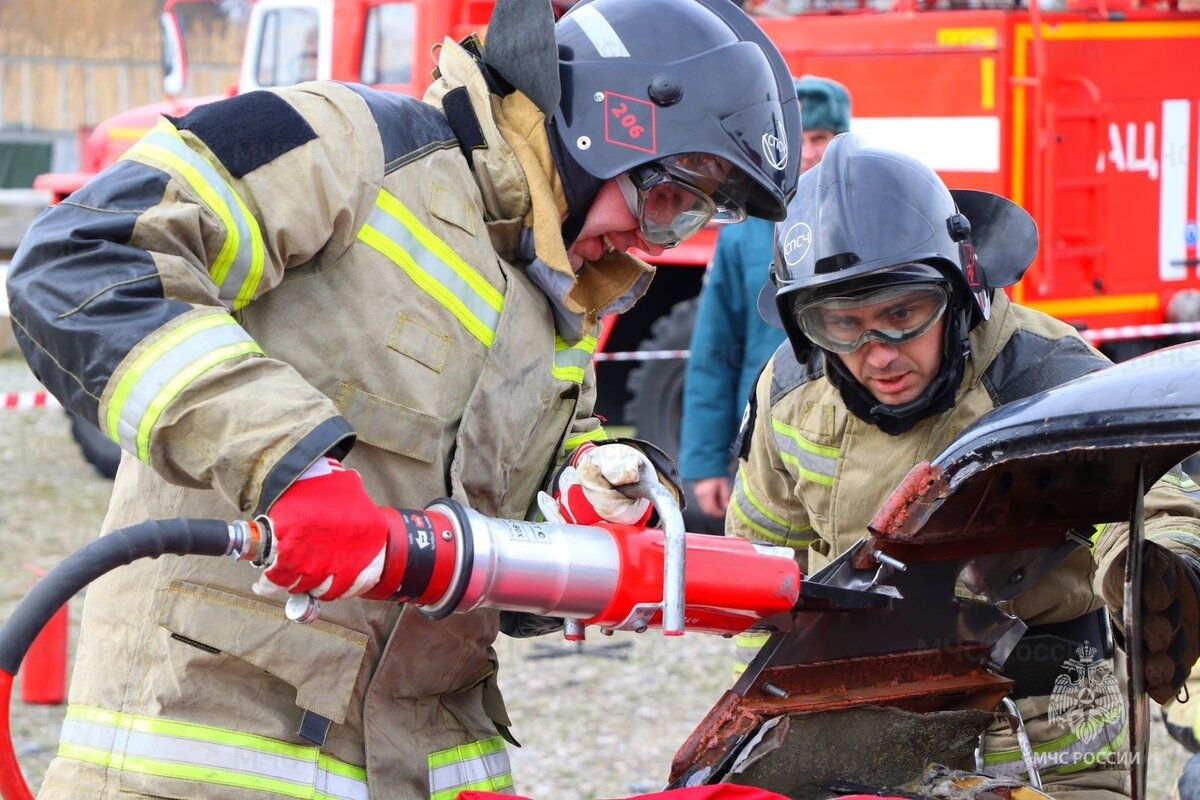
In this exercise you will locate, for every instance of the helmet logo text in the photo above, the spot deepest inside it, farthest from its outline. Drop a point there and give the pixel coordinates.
(775, 149)
(796, 243)
(630, 122)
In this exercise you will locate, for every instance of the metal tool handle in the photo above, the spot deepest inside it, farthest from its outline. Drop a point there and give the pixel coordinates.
(675, 560)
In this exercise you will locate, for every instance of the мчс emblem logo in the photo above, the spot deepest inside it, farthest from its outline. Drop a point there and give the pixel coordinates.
(1086, 697)
(796, 243)
(775, 148)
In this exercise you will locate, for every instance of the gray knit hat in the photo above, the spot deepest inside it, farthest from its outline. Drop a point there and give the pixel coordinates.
(824, 104)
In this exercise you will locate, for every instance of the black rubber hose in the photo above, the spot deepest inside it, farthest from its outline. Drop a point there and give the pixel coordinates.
(209, 537)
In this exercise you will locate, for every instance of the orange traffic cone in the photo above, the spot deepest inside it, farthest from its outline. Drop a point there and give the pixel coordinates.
(44, 670)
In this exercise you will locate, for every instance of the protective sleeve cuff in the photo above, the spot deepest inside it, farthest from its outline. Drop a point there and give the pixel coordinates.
(334, 437)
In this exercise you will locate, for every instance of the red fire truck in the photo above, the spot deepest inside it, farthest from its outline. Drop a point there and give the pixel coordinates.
(1086, 113)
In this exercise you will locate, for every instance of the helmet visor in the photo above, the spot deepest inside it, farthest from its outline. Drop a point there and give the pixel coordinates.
(893, 315)
(674, 198)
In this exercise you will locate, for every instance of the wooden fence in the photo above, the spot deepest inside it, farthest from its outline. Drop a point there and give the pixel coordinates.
(51, 93)
(68, 64)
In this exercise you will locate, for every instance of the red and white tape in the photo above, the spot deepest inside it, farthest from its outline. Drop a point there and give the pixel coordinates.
(643, 355)
(1127, 332)
(24, 401)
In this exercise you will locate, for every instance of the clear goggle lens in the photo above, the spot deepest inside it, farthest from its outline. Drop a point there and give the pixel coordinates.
(674, 198)
(894, 315)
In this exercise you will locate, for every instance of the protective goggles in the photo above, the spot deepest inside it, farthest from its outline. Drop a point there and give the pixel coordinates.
(674, 198)
(893, 315)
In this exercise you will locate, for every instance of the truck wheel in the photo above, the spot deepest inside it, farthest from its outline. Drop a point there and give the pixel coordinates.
(101, 452)
(655, 406)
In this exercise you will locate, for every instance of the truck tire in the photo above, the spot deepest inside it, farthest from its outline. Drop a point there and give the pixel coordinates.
(655, 407)
(101, 452)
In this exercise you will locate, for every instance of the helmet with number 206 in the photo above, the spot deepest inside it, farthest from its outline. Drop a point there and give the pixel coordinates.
(644, 81)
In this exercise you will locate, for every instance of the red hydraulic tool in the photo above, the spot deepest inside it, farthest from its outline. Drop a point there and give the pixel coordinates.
(447, 558)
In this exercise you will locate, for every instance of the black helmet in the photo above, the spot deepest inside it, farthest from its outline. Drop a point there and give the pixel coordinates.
(867, 218)
(642, 80)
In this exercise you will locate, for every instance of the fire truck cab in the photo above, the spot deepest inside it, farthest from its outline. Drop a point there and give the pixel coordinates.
(1086, 112)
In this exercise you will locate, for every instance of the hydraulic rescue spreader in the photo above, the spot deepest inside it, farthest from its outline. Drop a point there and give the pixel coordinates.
(447, 558)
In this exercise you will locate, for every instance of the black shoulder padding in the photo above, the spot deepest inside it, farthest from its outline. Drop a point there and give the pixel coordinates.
(1030, 363)
(409, 128)
(247, 131)
(790, 373)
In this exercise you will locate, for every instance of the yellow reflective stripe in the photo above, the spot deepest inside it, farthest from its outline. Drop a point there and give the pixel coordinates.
(396, 233)
(485, 290)
(570, 361)
(166, 148)
(204, 754)
(476, 766)
(1183, 482)
(398, 256)
(768, 525)
(258, 259)
(157, 376)
(185, 772)
(792, 433)
(464, 752)
(573, 442)
(193, 731)
(487, 785)
(181, 382)
(1064, 742)
(152, 152)
(755, 639)
(814, 462)
(1099, 756)
(748, 644)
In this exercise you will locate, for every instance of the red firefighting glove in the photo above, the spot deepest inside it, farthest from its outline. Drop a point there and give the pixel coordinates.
(330, 538)
(1171, 620)
(587, 491)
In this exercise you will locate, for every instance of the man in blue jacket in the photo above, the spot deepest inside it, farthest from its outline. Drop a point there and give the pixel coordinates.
(730, 341)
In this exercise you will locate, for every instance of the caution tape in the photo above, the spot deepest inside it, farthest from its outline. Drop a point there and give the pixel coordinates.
(1127, 332)
(643, 355)
(24, 401)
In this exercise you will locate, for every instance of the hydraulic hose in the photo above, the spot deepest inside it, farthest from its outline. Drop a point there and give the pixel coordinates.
(145, 540)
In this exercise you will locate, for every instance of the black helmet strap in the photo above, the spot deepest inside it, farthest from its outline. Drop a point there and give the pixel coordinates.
(579, 185)
(937, 397)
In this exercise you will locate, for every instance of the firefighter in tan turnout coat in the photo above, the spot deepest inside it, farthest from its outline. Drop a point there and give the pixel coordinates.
(284, 281)
(902, 345)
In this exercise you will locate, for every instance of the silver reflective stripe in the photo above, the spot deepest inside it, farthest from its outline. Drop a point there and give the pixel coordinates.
(1067, 753)
(396, 233)
(203, 754)
(764, 524)
(570, 361)
(478, 766)
(599, 32)
(166, 368)
(815, 462)
(238, 267)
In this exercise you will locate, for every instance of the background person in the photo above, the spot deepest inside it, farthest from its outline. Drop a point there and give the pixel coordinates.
(310, 301)
(730, 340)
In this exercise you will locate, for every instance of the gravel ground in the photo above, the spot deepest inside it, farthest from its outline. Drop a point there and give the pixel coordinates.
(603, 721)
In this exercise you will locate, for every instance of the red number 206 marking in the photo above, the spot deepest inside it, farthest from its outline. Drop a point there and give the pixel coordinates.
(628, 121)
